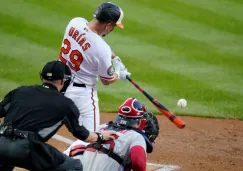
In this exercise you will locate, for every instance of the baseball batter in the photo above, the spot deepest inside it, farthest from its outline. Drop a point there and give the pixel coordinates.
(136, 130)
(90, 57)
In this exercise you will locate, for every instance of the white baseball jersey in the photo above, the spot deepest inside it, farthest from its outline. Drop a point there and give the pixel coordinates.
(88, 56)
(96, 161)
(86, 53)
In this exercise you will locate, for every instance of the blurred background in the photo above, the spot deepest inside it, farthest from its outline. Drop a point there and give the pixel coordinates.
(174, 49)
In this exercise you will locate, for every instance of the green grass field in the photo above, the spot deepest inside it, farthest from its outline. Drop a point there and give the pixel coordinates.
(190, 49)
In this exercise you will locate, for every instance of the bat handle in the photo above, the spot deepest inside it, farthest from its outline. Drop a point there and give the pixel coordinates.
(127, 76)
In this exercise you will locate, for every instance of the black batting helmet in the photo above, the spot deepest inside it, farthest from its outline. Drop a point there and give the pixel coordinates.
(109, 12)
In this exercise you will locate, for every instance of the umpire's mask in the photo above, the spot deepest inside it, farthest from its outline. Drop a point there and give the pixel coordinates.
(67, 79)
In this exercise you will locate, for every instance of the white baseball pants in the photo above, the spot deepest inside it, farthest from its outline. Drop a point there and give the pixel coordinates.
(86, 99)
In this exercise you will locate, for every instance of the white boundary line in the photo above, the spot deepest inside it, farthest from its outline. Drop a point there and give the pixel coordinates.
(162, 167)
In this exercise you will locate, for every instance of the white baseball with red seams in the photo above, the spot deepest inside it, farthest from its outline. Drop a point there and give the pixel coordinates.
(182, 103)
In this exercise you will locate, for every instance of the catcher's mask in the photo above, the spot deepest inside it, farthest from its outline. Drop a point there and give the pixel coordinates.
(67, 79)
(130, 112)
(56, 70)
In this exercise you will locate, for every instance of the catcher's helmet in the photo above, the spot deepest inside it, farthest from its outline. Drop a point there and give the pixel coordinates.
(109, 12)
(130, 112)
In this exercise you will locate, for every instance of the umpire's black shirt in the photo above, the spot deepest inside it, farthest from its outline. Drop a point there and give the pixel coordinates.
(41, 109)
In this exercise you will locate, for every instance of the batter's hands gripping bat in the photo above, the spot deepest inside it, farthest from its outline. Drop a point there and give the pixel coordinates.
(172, 117)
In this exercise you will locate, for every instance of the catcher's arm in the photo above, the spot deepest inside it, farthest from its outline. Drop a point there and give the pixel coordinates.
(138, 158)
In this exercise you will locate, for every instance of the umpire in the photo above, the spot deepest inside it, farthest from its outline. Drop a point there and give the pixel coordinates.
(33, 114)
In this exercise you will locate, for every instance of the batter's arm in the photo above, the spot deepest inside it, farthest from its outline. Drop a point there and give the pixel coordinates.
(119, 66)
(109, 81)
(108, 72)
(113, 55)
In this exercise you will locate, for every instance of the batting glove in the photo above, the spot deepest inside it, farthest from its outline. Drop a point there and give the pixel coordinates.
(123, 74)
(117, 63)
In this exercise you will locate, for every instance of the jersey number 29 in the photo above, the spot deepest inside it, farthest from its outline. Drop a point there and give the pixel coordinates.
(76, 58)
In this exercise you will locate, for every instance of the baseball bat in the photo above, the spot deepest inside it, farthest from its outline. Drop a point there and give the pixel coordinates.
(172, 117)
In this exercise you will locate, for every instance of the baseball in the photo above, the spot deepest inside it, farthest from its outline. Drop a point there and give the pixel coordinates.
(182, 103)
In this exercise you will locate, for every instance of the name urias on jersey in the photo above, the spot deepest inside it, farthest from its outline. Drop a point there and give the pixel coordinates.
(79, 38)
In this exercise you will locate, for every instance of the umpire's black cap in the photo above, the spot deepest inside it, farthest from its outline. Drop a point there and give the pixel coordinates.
(55, 70)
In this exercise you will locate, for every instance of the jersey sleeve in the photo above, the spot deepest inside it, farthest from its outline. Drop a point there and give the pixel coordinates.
(138, 158)
(105, 68)
(138, 153)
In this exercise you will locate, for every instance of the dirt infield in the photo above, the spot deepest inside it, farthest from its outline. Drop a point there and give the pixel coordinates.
(203, 145)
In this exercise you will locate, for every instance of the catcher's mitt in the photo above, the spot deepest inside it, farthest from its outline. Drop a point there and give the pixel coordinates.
(152, 126)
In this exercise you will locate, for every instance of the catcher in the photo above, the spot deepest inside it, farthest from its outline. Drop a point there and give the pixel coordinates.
(136, 130)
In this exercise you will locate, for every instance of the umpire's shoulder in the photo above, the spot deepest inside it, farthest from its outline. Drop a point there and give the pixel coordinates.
(25, 87)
